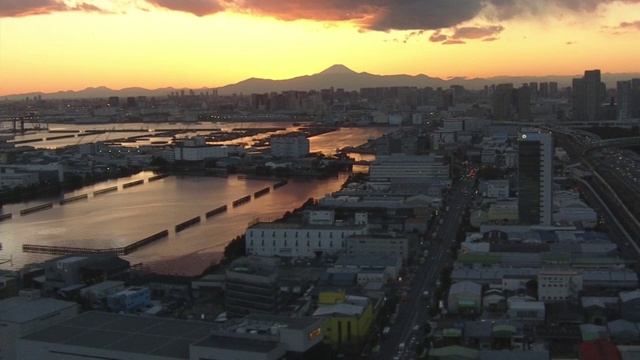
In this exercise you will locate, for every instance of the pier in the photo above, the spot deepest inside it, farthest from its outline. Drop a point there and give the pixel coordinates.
(6, 216)
(67, 250)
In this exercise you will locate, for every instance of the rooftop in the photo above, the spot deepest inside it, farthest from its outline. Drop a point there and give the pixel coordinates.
(134, 334)
(21, 310)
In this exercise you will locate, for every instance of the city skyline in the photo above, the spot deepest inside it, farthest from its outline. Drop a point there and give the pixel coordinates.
(60, 45)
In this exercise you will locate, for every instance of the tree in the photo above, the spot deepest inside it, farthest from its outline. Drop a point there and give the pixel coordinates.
(235, 249)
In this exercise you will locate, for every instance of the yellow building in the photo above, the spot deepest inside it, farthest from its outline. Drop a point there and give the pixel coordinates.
(349, 319)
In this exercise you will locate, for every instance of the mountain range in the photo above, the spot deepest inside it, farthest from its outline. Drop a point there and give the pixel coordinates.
(336, 76)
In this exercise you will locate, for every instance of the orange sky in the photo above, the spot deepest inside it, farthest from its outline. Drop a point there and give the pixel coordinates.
(53, 45)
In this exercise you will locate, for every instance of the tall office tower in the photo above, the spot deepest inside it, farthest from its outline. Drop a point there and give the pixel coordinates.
(535, 178)
(502, 100)
(113, 101)
(523, 103)
(553, 89)
(533, 86)
(544, 90)
(623, 93)
(587, 96)
(634, 99)
(578, 99)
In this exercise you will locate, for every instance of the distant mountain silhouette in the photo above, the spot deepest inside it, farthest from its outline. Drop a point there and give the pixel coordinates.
(336, 76)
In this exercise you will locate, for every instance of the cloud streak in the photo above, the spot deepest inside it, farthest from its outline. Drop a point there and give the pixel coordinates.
(368, 15)
(457, 35)
(20, 8)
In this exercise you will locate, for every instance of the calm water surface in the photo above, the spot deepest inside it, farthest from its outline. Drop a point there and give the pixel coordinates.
(120, 218)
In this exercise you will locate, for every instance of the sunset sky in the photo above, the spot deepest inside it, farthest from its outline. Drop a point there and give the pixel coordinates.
(53, 45)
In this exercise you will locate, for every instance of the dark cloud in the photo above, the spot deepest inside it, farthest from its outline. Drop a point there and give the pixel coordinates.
(325, 10)
(424, 15)
(509, 9)
(18, 8)
(195, 7)
(369, 15)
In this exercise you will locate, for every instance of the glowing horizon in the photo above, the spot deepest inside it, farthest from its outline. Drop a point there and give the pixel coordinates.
(62, 45)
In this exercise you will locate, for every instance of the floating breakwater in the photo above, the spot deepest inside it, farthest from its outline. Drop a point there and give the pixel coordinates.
(280, 184)
(216, 211)
(36, 208)
(73, 198)
(187, 223)
(158, 177)
(259, 193)
(242, 200)
(133, 183)
(104, 191)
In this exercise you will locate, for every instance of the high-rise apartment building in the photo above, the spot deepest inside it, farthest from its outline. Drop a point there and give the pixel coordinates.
(535, 178)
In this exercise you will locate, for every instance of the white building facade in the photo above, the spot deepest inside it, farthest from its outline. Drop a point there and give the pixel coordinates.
(289, 146)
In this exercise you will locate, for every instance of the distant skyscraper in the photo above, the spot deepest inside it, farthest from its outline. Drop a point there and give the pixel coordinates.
(544, 89)
(623, 94)
(587, 96)
(523, 103)
(502, 100)
(114, 101)
(533, 86)
(553, 89)
(535, 178)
